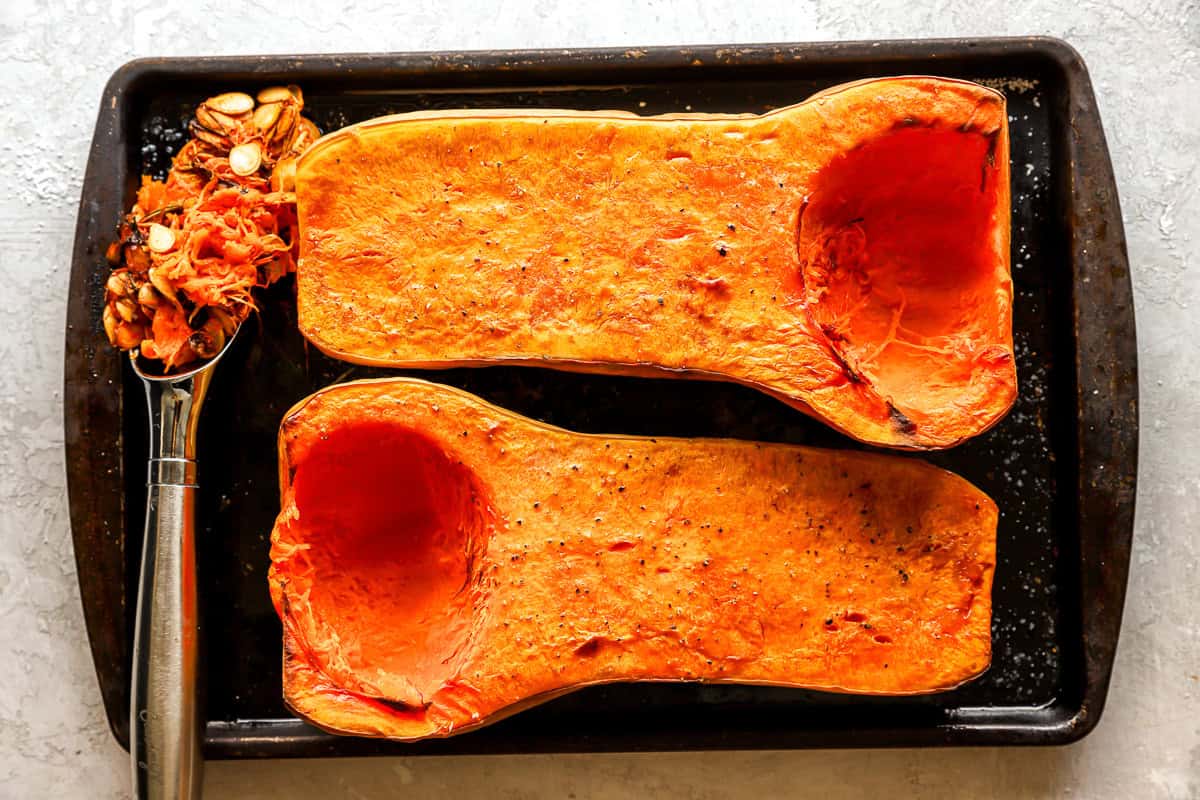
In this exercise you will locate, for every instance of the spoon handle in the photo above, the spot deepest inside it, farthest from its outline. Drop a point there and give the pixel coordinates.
(165, 720)
(164, 715)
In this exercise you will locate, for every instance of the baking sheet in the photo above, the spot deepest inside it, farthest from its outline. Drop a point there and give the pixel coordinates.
(1061, 466)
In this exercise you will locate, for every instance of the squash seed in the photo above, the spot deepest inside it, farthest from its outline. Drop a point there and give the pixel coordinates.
(283, 177)
(129, 336)
(208, 137)
(245, 159)
(235, 104)
(148, 296)
(163, 285)
(110, 324)
(126, 308)
(266, 115)
(119, 284)
(274, 94)
(284, 125)
(215, 121)
(161, 238)
(209, 340)
(306, 133)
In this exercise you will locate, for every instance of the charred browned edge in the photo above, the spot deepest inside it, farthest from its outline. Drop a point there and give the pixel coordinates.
(989, 161)
(903, 423)
(852, 375)
(398, 706)
(831, 334)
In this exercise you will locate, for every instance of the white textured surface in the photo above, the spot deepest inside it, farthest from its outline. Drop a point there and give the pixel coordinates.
(1144, 57)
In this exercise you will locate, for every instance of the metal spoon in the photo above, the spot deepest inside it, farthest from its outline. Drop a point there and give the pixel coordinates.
(165, 720)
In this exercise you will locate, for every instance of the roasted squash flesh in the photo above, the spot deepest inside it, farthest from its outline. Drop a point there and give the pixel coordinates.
(440, 563)
(849, 255)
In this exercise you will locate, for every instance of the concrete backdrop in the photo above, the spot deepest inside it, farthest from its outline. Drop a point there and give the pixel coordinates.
(1145, 60)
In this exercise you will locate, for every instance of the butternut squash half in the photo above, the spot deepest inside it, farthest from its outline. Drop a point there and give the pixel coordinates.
(440, 563)
(849, 255)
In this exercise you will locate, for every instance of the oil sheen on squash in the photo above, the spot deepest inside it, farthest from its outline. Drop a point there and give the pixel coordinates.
(849, 255)
(440, 563)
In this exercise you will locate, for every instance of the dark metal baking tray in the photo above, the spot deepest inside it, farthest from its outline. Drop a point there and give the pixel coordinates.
(1062, 465)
